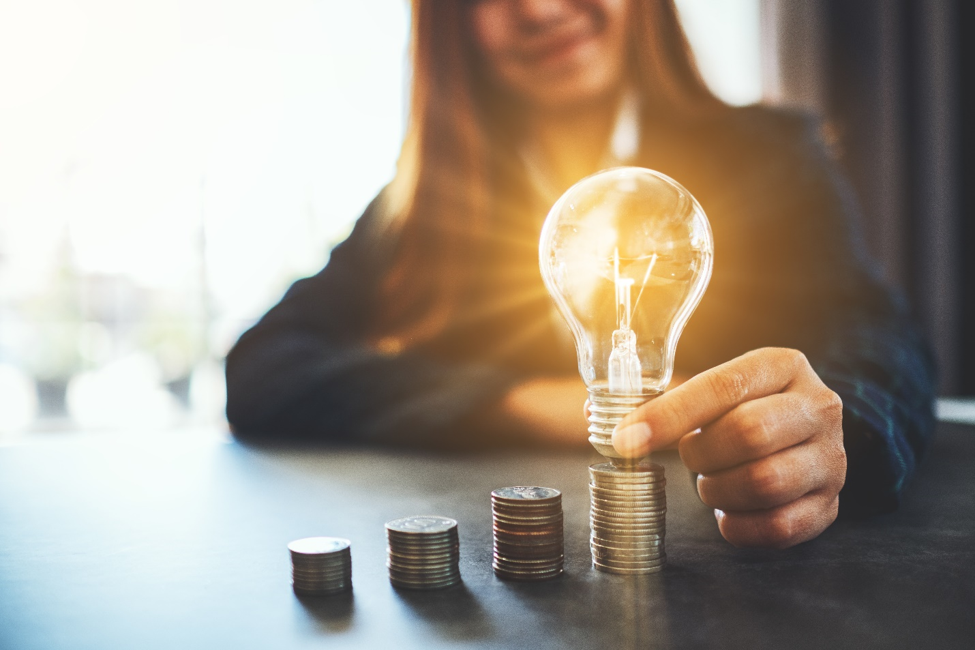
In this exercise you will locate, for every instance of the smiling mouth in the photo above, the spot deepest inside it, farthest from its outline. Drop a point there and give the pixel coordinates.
(558, 52)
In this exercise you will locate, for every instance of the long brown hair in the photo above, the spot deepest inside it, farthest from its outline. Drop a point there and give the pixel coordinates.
(438, 203)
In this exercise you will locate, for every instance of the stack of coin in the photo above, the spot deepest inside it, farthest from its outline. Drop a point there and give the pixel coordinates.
(423, 552)
(627, 519)
(528, 541)
(321, 565)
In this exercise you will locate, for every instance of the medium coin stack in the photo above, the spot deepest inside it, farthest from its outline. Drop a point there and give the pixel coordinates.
(321, 565)
(423, 552)
(528, 543)
(627, 519)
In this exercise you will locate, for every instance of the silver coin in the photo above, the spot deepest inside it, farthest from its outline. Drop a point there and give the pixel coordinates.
(331, 558)
(506, 574)
(322, 566)
(521, 563)
(654, 568)
(625, 540)
(319, 545)
(520, 505)
(626, 536)
(318, 585)
(630, 491)
(501, 565)
(622, 521)
(626, 479)
(439, 547)
(634, 469)
(526, 493)
(618, 556)
(328, 569)
(425, 575)
(553, 569)
(422, 525)
(528, 522)
(628, 515)
(525, 550)
(420, 568)
(320, 592)
(628, 563)
(600, 505)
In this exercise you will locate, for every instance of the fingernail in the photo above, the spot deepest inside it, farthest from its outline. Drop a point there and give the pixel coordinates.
(633, 439)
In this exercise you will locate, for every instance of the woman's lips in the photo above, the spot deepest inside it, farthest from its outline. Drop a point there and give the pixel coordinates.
(558, 52)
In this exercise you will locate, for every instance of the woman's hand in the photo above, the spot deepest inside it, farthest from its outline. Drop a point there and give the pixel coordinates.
(764, 435)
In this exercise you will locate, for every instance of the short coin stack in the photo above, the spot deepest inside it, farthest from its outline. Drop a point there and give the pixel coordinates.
(627, 519)
(423, 552)
(321, 565)
(528, 543)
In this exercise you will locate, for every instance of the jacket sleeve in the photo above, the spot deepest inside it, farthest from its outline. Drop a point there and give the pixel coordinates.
(305, 371)
(862, 340)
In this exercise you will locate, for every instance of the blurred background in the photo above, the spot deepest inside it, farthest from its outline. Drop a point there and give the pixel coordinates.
(168, 168)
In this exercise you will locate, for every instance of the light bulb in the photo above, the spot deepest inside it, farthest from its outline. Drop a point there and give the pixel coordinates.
(626, 254)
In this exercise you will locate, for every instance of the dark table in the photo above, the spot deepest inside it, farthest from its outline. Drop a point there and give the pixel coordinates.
(178, 541)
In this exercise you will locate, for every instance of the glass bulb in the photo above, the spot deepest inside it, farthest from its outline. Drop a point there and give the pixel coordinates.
(626, 254)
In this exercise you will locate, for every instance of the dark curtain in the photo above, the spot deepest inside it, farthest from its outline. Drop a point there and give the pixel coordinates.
(896, 81)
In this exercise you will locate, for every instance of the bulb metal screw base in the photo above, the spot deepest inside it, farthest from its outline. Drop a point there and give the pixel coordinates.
(605, 412)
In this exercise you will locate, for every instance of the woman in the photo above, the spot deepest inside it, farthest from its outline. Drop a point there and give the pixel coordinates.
(430, 324)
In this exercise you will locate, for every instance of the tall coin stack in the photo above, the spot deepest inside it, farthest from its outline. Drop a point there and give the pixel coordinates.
(321, 565)
(628, 517)
(528, 543)
(423, 552)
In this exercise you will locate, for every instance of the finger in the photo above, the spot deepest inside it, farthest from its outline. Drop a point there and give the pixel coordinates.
(705, 397)
(751, 431)
(781, 527)
(766, 483)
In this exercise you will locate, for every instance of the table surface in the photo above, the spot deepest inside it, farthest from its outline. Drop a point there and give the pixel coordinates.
(176, 541)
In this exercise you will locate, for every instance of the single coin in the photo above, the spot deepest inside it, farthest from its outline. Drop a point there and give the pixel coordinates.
(533, 563)
(514, 531)
(628, 562)
(422, 524)
(616, 555)
(602, 505)
(623, 534)
(322, 568)
(507, 574)
(422, 564)
(526, 550)
(626, 523)
(528, 562)
(399, 584)
(630, 470)
(628, 515)
(419, 572)
(528, 522)
(616, 493)
(320, 592)
(319, 545)
(511, 511)
(628, 519)
(656, 568)
(324, 574)
(419, 542)
(526, 493)
(626, 477)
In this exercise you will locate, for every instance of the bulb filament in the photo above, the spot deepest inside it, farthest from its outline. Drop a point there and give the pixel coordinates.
(624, 364)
